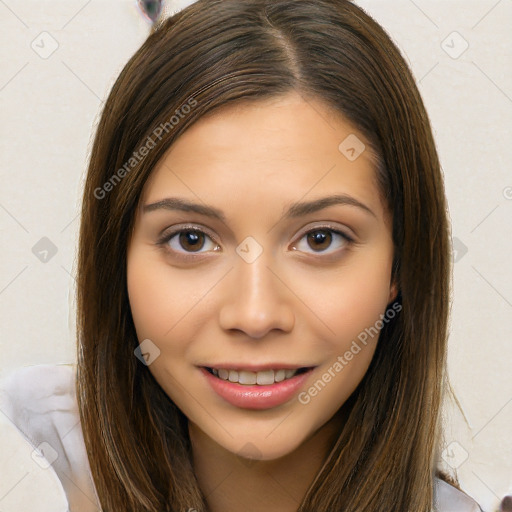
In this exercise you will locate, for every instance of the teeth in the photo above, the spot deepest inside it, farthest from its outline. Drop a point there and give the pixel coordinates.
(245, 377)
(280, 375)
(263, 378)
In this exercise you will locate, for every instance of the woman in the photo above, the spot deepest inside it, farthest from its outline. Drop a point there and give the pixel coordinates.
(263, 270)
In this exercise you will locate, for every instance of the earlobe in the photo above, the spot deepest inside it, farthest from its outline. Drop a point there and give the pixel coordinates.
(393, 292)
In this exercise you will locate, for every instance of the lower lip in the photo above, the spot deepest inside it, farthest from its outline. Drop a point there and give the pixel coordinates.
(256, 397)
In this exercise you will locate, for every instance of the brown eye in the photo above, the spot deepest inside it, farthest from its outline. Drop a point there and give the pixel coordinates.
(191, 240)
(187, 241)
(319, 240)
(324, 240)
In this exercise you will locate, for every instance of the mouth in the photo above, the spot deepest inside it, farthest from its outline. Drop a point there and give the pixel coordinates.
(261, 378)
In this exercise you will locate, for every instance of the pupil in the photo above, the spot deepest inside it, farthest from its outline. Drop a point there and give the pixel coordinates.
(318, 238)
(192, 239)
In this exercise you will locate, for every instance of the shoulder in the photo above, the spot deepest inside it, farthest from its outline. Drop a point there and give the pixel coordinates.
(40, 401)
(449, 499)
(39, 387)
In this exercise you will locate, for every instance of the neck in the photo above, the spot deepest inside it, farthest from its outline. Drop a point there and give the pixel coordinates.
(232, 483)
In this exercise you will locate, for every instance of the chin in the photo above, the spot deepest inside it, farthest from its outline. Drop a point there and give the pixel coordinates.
(261, 448)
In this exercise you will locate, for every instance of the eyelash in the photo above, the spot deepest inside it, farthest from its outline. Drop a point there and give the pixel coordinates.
(167, 237)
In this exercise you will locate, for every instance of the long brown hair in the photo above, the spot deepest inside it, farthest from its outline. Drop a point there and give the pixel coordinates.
(211, 54)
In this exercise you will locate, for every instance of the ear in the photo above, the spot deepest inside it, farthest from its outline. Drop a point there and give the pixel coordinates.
(393, 292)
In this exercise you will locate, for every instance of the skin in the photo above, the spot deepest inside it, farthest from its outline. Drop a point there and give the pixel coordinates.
(301, 301)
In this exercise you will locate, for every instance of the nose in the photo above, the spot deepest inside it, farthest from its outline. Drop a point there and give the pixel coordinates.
(256, 300)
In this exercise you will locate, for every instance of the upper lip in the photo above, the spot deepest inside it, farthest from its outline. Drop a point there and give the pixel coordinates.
(257, 367)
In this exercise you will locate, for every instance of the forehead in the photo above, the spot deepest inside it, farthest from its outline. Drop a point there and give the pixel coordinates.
(267, 152)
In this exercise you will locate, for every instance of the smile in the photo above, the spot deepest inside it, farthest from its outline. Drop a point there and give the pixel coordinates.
(258, 389)
(249, 378)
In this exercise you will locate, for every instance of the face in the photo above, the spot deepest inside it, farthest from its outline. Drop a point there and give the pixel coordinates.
(236, 264)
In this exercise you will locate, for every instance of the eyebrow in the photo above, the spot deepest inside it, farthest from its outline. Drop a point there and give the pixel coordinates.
(297, 209)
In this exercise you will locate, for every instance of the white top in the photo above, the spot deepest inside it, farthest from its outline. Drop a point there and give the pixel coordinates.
(41, 403)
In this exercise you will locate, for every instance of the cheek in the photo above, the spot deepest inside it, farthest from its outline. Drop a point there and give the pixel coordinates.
(159, 312)
(147, 287)
(362, 300)
(168, 307)
(349, 300)
(353, 310)
(160, 299)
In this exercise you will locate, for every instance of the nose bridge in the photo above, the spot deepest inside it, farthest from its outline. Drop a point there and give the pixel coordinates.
(257, 300)
(252, 269)
(255, 279)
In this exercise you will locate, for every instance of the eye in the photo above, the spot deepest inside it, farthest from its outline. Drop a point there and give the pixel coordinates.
(188, 240)
(322, 238)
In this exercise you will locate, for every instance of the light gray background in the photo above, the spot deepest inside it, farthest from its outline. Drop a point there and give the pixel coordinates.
(49, 107)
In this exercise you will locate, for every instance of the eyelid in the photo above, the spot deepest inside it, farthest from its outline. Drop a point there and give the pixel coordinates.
(171, 232)
(327, 226)
(174, 230)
